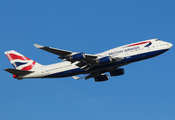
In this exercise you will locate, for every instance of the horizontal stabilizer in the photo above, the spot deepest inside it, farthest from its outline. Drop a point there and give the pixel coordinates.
(18, 72)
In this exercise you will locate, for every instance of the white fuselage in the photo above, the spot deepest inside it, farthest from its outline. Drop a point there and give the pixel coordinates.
(130, 53)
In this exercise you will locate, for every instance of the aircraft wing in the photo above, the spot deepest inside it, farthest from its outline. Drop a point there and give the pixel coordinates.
(63, 53)
(85, 61)
(53, 50)
(94, 74)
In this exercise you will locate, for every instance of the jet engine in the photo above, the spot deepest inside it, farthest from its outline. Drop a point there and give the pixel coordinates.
(101, 78)
(117, 72)
(104, 60)
(78, 56)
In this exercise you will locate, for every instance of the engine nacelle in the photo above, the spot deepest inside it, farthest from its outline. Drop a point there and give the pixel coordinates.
(101, 78)
(78, 56)
(104, 60)
(117, 72)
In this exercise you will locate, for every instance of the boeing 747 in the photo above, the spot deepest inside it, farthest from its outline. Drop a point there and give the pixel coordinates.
(92, 66)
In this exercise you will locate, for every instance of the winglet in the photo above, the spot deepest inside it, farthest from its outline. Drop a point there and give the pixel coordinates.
(38, 46)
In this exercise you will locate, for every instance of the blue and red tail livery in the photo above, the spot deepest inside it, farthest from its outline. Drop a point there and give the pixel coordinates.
(19, 61)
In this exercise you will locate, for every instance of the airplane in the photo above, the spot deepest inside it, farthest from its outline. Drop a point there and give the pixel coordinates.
(90, 65)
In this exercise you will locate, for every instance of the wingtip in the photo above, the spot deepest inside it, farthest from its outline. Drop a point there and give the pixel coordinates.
(75, 77)
(38, 46)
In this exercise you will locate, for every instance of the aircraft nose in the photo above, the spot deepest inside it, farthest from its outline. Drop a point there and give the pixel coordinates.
(170, 45)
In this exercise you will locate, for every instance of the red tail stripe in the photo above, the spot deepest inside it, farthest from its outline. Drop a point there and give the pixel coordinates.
(13, 57)
(139, 43)
(29, 67)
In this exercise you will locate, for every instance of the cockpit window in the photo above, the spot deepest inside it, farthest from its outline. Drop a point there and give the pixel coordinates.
(157, 39)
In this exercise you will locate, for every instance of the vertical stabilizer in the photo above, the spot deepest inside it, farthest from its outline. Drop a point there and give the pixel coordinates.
(20, 62)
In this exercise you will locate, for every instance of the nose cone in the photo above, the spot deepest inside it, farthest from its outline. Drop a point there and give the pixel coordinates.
(170, 45)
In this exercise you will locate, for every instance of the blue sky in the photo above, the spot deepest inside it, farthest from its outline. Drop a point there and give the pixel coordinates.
(146, 91)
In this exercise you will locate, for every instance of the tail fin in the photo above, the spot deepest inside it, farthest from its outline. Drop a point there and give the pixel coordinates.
(20, 62)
